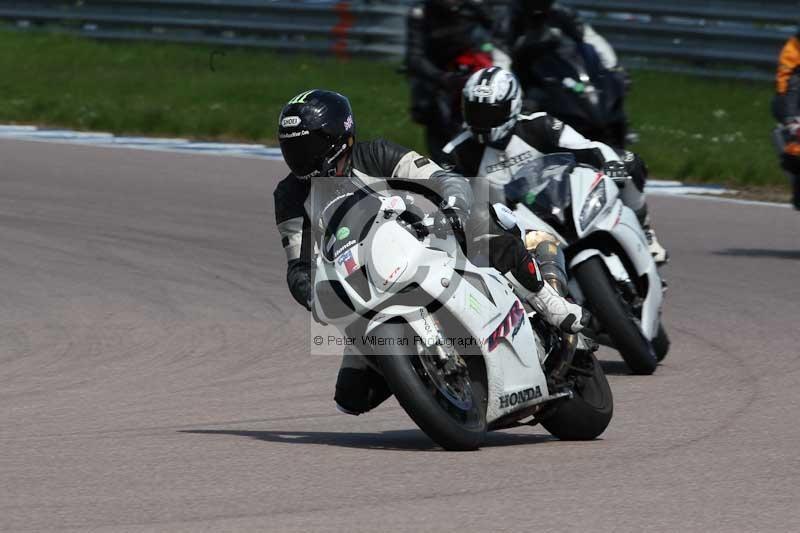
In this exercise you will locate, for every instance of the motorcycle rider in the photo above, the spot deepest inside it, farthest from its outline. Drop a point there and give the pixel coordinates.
(529, 20)
(533, 17)
(498, 139)
(786, 108)
(536, 28)
(438, 31)
(316, 133)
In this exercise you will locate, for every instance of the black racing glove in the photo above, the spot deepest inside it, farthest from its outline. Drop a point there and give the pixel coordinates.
(298, 277)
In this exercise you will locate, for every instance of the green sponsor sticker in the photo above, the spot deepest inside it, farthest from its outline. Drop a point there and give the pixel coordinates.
(342, 233)
(530, 198)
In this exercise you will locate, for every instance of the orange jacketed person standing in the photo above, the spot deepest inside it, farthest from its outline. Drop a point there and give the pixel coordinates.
(787, 110)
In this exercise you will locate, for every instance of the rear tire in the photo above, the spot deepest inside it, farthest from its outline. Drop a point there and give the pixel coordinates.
(588, 413)
(608, 307)
(441, 421)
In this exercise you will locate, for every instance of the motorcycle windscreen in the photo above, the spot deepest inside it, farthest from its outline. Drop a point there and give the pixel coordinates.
(344, 212)
(543, 186)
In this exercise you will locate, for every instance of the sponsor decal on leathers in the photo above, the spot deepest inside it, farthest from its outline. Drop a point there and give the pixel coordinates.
(344, 247)
(510, 162)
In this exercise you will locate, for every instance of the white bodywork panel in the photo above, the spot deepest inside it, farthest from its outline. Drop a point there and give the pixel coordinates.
(395, 259)
(621, 223)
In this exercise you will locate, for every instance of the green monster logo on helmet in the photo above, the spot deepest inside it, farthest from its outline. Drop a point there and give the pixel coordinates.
(300, 98)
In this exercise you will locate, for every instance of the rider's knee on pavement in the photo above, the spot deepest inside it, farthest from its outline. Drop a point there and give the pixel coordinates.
(359, 390)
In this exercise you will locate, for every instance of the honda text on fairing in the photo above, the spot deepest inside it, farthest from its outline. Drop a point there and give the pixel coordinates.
(452, 340)
(611, 269)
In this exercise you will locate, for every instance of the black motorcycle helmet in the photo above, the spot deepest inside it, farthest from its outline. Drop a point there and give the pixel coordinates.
(315, 130)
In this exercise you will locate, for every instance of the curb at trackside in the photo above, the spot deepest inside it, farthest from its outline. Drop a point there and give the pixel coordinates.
(260, 151)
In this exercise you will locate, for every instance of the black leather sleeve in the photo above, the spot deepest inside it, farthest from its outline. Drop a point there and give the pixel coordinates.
(384, 159)
(417, 59)
(468, 156)
(378, 158)
(544, 134)
(455, 186)
(295, 229)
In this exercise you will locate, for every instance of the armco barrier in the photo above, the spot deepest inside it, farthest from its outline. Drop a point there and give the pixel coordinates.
(735, 38)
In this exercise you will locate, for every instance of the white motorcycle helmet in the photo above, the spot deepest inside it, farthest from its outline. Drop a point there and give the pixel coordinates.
(491, 101)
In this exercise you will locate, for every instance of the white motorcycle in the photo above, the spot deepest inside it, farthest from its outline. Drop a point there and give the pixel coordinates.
(453, 341)
(610, 267)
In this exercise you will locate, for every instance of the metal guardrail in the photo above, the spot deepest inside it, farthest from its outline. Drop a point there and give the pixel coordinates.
(735, 38)
(729, 38)
(338, 27)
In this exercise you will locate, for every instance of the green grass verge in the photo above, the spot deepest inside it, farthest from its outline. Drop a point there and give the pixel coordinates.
(692, 129)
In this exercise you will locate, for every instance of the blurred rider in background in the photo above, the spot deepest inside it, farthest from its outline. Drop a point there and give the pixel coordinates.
(786, 108)
(499, 139)
(532, 19)
(439, 32)
(535, 29)
(316, 132)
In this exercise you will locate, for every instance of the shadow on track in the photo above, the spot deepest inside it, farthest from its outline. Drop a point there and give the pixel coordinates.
(397, 440)
(759, 252)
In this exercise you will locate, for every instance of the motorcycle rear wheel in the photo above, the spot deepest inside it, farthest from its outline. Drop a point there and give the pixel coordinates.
(609, 308)
(454, 425)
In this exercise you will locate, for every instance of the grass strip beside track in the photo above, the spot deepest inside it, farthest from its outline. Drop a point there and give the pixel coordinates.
(692, 129)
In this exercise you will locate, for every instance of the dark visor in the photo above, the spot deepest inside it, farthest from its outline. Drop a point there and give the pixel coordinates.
(485, 116)
(304, 151)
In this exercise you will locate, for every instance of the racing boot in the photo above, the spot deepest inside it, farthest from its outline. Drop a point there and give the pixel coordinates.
(557, 311)
(659, 253)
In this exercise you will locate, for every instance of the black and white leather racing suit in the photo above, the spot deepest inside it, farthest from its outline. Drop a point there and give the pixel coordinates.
(358, 387)
(536, 135)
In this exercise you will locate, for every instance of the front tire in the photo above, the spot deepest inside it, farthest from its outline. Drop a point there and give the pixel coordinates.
(450, 426)
(587, 414)
(661, 343)
(607, 305)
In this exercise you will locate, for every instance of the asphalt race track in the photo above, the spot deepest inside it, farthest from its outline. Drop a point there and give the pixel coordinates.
(154, 375)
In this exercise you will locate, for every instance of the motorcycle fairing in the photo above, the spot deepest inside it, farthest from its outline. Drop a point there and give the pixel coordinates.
(621, 224)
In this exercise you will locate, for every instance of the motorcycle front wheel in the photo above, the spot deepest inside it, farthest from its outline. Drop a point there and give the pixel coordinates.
(449, 408)
(616, 318)
(587, 414)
